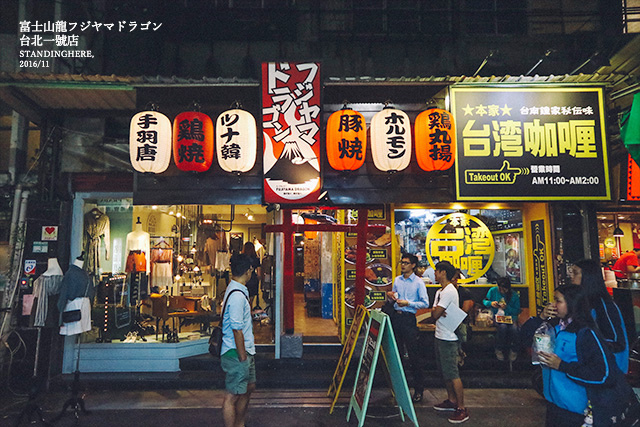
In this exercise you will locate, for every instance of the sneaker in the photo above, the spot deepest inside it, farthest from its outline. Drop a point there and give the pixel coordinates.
(459, 416)
(499, 355)
(445, 405)
(513, 356)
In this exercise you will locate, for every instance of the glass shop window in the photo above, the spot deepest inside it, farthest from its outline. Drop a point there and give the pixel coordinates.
(483, 243)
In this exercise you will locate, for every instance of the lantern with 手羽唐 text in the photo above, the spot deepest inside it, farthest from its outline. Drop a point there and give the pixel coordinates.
(435, 140)
(193, 141)
(346, 140)
(150, 142)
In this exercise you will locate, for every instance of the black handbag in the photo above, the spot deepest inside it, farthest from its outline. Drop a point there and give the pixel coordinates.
(71, 316)
(215, 341)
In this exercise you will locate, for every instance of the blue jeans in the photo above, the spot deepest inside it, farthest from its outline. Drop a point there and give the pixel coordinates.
(507, 337)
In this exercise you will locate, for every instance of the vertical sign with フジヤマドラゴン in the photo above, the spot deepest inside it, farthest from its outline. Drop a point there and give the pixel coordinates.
(543, 143)
(291, 125)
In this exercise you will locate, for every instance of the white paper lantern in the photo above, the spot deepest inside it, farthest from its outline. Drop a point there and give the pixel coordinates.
(150, 142)
(391, 140)
(236, 141)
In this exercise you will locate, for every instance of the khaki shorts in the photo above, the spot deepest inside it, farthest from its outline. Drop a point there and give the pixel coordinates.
(447, 358)
(238, 374)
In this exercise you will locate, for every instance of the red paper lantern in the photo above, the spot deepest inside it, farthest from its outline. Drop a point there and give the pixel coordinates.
(346, 140)
(435, 140)
(193, 141)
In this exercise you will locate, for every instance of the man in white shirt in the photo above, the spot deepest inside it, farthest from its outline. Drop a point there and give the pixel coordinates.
(238, 346)
(446, 343)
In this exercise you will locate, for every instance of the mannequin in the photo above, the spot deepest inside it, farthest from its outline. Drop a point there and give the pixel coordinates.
(45, 287)
(75, 294)
(138, 240)
(53, 268)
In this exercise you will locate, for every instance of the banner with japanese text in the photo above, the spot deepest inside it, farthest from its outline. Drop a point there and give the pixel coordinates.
(530, 144)
(291, 124)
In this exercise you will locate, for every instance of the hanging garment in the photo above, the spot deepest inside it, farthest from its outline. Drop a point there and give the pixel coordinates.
(43, 287)
(82, 325)
(96, 230)
(222, 261)
(136, 262)
(161, 267)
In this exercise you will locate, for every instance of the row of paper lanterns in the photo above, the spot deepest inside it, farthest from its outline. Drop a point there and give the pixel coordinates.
(391, 143)
(152, 140)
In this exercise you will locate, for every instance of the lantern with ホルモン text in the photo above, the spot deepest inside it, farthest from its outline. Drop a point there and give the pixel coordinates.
(346, 140)
(435, 140)
(236, 141)
(391, 140)
(193, 141)
(150, 142)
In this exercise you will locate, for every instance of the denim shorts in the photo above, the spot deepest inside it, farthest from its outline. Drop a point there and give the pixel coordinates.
(238, 374)
(447, 358)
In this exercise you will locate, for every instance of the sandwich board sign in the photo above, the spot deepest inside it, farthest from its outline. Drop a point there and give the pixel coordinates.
(380, 337)
(345, 356)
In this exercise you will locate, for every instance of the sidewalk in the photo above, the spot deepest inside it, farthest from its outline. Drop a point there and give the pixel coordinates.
(281, 408)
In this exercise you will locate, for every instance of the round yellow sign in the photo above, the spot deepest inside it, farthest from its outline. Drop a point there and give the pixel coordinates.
(464, 241)
(609, 242)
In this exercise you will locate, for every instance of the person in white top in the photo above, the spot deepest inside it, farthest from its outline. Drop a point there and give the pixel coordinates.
(446, 343)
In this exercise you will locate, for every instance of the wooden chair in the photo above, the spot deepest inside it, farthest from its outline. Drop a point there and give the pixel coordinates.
(165, 307)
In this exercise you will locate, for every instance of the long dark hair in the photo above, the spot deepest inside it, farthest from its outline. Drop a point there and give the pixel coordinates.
(505, 282)
(592, 282)
(577, 308)
(249, 250)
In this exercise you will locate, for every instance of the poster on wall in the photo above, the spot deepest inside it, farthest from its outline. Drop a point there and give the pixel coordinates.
(530, 144)
(291, 124)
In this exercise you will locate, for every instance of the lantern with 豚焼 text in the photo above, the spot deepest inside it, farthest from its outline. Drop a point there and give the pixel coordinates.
(391, 140)
(435, 140)
(150, 142)
(193, 141)
(346, 140)
(236, 141)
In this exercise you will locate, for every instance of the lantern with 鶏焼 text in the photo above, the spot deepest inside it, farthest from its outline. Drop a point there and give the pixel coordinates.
(236, 141)
(150, 142)
(391, 140)
(435, 140)
(193, 141)
(346, 140)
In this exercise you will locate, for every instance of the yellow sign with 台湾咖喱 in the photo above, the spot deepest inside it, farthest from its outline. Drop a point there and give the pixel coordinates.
(464, 241)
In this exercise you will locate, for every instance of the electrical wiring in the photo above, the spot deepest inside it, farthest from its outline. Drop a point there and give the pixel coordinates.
(12, 352)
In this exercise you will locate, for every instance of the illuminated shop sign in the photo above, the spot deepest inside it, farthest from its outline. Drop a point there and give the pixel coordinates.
(530, 144)
(464, 241)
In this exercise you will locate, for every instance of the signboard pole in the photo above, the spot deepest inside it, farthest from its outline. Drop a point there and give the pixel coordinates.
(380, 337)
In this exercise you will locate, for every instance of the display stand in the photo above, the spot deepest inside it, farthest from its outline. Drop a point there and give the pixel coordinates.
(32, 407)
(75, 402)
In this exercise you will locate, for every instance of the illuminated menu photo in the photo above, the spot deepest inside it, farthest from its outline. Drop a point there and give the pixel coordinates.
(530, 144)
